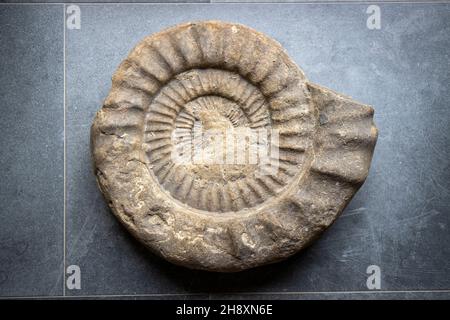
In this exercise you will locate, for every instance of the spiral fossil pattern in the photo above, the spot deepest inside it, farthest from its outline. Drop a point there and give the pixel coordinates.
(184, 66)
(225, 217)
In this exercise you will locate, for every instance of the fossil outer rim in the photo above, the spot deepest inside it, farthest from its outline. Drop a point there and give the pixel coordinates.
(335, 164)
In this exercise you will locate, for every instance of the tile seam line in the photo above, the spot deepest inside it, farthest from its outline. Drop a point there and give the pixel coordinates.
(235, 294)
(65, 151)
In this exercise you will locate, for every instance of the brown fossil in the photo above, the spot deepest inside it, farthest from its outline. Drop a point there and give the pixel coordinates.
(225, 217)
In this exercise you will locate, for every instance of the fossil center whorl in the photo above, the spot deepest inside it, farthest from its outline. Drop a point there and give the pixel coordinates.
(209, 138)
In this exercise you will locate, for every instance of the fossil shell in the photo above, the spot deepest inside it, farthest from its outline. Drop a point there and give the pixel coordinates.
(226, 216)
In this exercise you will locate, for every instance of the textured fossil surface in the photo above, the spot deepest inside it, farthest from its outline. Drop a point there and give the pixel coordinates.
(226, 215)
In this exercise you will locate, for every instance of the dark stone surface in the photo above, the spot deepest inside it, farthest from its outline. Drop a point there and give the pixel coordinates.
(398, 220)
(31, 160)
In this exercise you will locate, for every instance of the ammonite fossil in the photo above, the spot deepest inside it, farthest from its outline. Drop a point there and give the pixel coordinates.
(304, 150)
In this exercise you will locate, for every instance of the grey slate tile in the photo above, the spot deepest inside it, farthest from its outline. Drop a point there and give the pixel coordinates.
(31, 160)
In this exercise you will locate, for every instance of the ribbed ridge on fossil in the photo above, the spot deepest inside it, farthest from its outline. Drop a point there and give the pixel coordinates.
(193, 81)
(221, 79)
